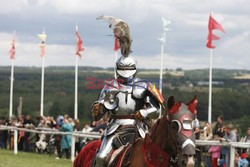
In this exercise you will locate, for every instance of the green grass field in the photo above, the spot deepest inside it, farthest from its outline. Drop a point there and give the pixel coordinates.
(22, 159)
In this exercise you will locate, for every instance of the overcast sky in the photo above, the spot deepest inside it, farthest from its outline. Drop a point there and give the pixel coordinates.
(185, 46)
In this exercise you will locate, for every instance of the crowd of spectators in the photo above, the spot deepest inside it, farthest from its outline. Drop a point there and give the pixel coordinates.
(46, 143)
(219, 156)
(210, 156)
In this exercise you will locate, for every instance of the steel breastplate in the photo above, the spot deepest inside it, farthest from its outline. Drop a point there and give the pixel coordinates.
(127, 103)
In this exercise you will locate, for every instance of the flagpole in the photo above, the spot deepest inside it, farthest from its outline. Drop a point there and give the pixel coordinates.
(42, 37)
(42, 87)
(163, 41)
(161, 70)
(12, 57)
(210, 87)
(76, 83)
(161, 75)
(210, 83)
(11, 88)
(76, 88)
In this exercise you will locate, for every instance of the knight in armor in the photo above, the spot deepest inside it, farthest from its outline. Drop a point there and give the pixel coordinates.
(128, 101)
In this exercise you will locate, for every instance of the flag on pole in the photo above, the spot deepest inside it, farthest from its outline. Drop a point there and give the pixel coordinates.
(12, 51)
(42, 46)
(42, 37)
(163, 38)
(116, 45)
(212, 25)
(79, 43)
(165, 24)
(165, 28)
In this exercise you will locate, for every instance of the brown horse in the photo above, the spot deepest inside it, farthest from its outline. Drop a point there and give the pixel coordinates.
(170, 141)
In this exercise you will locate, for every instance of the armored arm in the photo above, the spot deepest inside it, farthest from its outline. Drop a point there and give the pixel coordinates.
(152, 108)
(97, 108)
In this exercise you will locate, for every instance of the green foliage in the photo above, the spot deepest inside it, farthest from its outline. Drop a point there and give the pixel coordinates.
(230, 99)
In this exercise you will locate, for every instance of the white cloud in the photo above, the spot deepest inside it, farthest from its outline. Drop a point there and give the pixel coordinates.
(12, 6)
(185, 43)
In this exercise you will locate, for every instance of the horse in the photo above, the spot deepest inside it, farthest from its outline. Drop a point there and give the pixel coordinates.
(170, 142)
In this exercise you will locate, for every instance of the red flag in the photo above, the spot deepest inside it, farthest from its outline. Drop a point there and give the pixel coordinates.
(42, 37)
(116, 45)
(42, 46)
(12, 51)
(213, 24)
(79, 43)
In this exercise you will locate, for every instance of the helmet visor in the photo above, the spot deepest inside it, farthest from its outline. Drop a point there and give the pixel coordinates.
(126, 73)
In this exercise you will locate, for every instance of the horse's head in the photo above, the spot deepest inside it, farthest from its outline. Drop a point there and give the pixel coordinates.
(181, 116)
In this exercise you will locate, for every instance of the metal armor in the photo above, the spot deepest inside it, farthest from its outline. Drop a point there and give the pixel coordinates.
(124, 98)
(121, 99)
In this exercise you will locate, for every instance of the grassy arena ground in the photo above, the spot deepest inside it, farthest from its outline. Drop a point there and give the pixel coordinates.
(22, 159)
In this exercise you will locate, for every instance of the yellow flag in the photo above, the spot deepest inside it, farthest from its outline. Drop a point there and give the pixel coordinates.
(42, 37)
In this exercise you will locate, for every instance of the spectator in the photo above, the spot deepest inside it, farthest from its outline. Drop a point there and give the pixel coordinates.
(66, 139)
(11, 122)
(243, 162)
(28, 120)
(3, 135)
(71, 122)
(86, 128)
(21, 135)
(215, 151)
(196, 128)
(229, 136)
(77, 139)
(58, 139)
(235, 130)
(223, 149)
(218, 130)
(38, 119)
(246, 139)
(41, 123)
(207, 132)
(207, 135)
(60, 120)
(50, 122)
(93, 124)
(32, 139)
(77, 126)
(27, 123)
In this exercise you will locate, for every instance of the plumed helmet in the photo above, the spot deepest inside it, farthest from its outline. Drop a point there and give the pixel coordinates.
(126, 67)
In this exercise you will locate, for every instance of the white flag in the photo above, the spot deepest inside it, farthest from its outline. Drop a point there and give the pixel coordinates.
(163, 38)
(165, 24)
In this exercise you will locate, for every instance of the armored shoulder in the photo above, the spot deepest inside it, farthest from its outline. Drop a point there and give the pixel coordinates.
(111, 84)
(139, 89)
